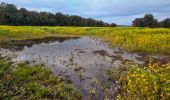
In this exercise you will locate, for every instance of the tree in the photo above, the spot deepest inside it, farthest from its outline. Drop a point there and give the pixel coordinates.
(113, 25)
(165, 23)
(8, 13)
(2, 13)
(147, 21)
(75, 21)
(138, 22)
(22, 17)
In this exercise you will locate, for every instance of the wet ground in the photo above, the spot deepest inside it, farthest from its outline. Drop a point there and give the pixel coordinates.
(84, 61)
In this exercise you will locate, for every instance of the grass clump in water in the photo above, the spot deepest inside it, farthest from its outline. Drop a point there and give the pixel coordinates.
(33, 82)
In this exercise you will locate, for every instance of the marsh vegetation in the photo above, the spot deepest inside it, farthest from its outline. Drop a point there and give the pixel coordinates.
(23, 81)
(133, 39)
(91, 58)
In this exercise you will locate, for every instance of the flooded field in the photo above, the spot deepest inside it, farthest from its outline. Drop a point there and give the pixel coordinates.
(84, 61)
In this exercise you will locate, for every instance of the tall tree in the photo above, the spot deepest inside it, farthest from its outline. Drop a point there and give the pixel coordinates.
(165, 23)
(147, 21)
(8, 13)
(138, 22)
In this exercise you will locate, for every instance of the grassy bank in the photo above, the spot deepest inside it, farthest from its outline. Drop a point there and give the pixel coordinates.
(134, 39)
(23, 82)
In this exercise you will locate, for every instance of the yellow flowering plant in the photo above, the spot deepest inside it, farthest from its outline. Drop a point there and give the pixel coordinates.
(134, 81)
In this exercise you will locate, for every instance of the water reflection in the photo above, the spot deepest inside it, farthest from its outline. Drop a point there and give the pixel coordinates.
(80, 60)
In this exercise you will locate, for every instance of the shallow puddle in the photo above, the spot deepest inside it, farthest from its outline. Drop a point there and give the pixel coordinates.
(80, 60)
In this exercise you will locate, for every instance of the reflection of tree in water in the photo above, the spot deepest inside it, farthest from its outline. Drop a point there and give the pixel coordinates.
(18, 45)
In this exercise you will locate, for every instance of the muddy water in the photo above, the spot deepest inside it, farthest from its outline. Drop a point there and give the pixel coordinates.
(83, 61)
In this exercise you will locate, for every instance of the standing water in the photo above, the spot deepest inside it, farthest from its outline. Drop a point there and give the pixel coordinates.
(84, 61)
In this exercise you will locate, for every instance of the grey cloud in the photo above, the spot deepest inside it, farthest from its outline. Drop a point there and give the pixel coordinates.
(120, 11)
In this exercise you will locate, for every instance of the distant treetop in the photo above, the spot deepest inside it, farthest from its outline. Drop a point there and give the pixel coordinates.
(10, 15)
(149, 21)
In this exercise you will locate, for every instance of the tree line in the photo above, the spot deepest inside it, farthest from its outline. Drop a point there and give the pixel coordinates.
(10, 15)
(149, 21)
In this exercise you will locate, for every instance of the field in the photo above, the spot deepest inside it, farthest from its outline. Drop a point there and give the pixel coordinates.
(133, 39)
(147, 81)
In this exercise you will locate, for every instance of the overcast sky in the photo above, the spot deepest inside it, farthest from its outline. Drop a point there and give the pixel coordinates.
(118, 11)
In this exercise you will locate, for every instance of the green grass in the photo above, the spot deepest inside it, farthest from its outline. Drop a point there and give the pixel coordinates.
(147, 40)
(23, 82)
